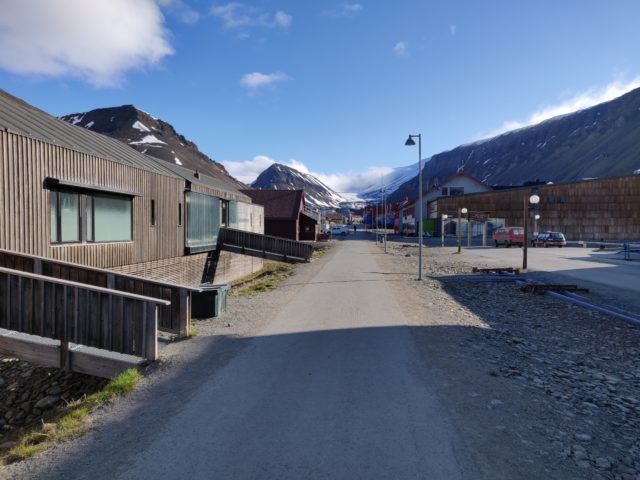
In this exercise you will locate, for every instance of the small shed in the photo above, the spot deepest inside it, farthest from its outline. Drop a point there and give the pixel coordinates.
(285, 214)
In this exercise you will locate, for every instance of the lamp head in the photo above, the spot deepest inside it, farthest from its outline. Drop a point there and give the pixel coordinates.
(534, 199)
(445, 216)
(537, 217)
(410, 142)
(464, 210)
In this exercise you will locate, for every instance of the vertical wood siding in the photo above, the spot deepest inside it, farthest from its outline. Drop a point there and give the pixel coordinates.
(25, 218)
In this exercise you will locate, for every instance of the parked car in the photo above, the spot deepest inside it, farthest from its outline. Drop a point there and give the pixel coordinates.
(549, 239)
(339, 230)
(508, 236)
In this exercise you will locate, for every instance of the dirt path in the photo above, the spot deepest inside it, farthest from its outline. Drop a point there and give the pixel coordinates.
(333, 387)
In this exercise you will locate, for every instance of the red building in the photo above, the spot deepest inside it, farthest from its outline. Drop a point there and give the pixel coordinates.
(285, 214)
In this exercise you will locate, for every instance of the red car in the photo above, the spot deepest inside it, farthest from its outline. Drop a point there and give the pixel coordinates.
(508, 236)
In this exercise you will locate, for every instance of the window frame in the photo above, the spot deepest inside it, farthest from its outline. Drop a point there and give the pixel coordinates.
(58, 226)
(85, 201)
(91, 197)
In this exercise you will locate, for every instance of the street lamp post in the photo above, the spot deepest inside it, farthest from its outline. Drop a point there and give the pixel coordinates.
(461, 211)
(411, 143)
(535, 224)
(468, 229)
(384, 203)
(444, 218)
(533, 200)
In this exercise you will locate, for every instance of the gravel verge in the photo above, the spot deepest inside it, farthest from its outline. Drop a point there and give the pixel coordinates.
(541, 388)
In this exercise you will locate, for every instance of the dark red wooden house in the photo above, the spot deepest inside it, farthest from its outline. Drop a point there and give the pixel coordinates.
(285, 214)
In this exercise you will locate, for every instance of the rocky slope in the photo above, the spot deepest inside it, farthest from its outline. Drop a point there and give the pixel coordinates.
(281, 177)
(601, 141)
(152, 136)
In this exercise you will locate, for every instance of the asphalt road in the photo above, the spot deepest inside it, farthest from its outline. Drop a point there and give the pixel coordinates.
(587, 264)
(333, 388)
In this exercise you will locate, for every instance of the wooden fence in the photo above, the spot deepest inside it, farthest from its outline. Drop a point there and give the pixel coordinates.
(249, 243)
(174, 316)
(75, 314)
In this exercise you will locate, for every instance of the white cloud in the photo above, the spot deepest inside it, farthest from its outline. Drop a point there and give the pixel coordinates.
(345, 10)
(255, 80)
(575, 102)
(453, 29)
(95, 40)
(238, 15)
(401, 49)
(180, 9)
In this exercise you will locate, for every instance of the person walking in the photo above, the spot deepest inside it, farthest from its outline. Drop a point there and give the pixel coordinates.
(355, 228)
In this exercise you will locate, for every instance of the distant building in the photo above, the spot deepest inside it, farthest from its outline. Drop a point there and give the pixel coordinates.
(595, 209)
(285, 214)
(456, 185)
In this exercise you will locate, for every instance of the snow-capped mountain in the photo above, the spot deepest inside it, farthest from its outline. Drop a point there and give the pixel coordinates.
(391, 181)
(597, 142)
(281, 177)
(152, 136)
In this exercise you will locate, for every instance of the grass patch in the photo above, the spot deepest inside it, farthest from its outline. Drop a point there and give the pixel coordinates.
(263, 280)
(193, 332)
(71, 423)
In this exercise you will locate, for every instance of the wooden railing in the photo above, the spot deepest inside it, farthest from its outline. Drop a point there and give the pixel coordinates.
(173, 317)
(76, 313)
(265, 245)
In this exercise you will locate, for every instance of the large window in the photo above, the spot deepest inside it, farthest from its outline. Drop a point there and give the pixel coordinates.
(112, 218)
(90, 217)
(203, 219)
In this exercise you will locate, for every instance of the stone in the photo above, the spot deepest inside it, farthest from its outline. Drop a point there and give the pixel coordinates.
(7, 445)
(47, 402)
(583, 437)
(55, 390)
(603, 463)
(584, 464)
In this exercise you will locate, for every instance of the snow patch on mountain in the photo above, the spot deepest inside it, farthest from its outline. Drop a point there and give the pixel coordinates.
(148, 139)
(138, 125)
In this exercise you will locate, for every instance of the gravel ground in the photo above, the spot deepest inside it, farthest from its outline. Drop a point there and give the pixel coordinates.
(549, 389)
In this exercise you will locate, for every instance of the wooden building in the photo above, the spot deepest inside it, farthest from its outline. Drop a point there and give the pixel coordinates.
(607, 208)
(285, 214)
(71, 194)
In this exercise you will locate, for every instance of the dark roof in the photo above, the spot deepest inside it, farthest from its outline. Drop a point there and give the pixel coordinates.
(278, 204)
(19, 117)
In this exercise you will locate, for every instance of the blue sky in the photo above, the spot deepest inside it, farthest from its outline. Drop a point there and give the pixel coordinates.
(328, 86)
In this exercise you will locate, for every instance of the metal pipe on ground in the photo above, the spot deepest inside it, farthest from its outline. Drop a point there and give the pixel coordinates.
(578, 300)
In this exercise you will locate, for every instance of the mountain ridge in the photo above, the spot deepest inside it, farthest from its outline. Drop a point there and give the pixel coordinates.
(596, 142)
(282, 177)
(151, 136)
